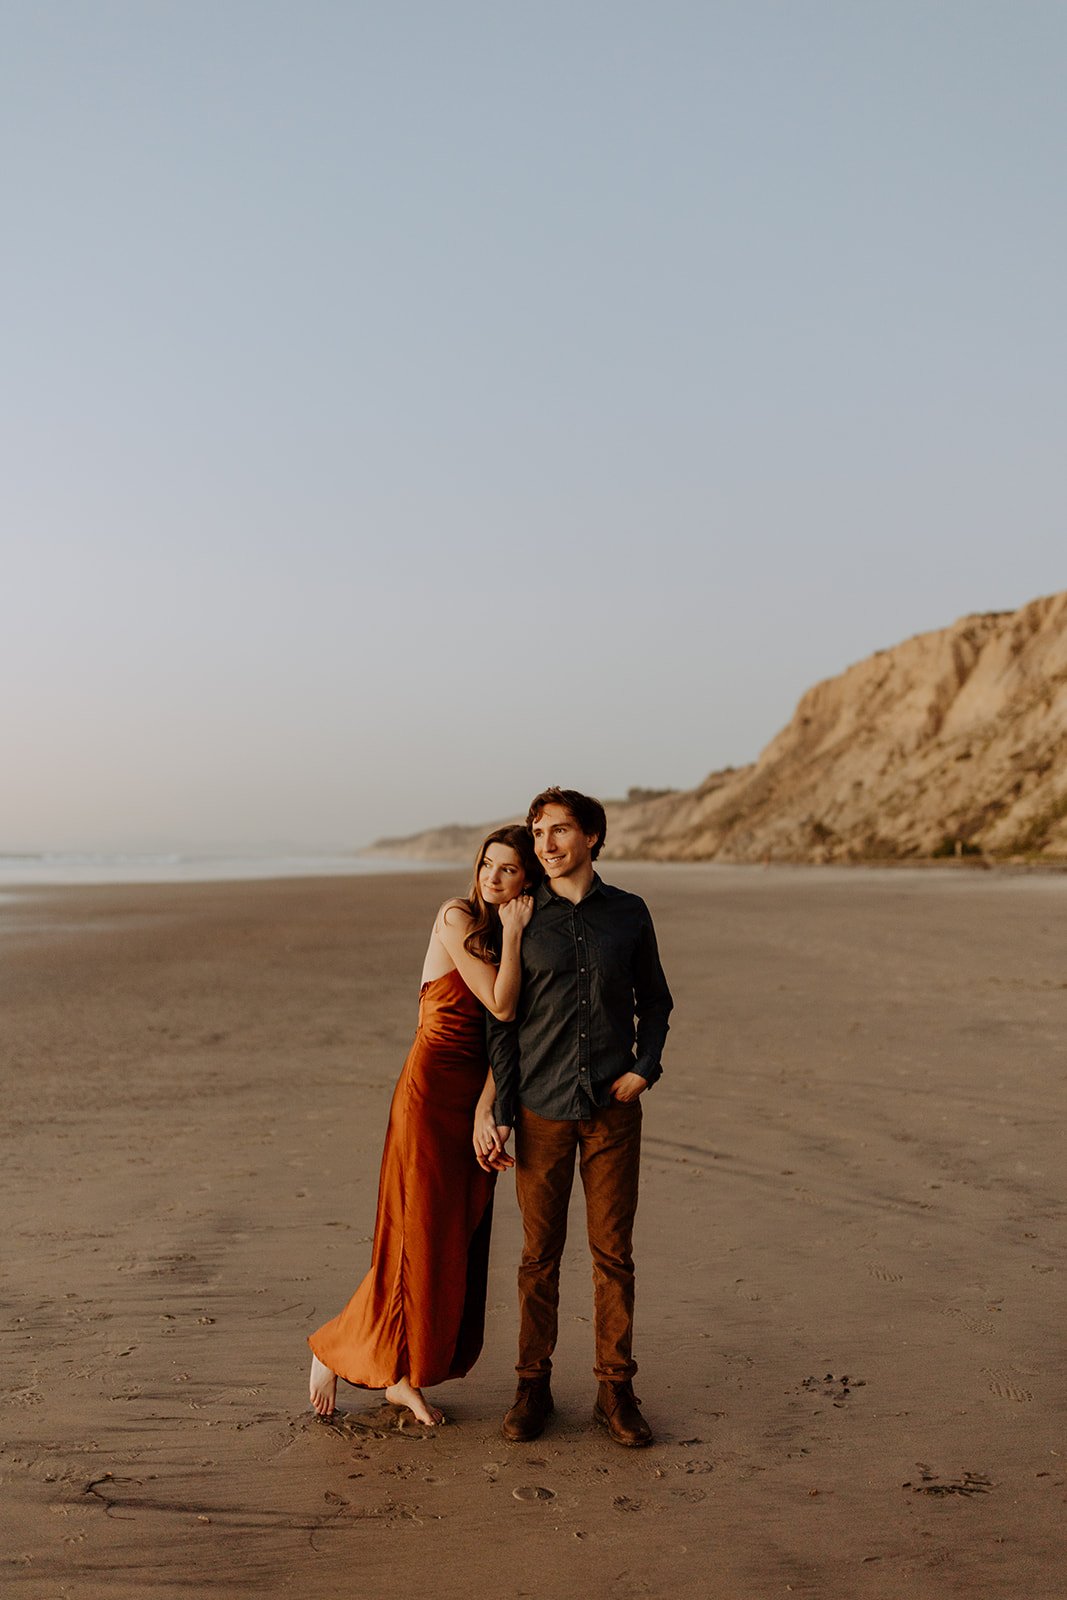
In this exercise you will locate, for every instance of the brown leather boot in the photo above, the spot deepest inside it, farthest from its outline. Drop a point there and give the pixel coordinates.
(531, 1410)
(618, 1409)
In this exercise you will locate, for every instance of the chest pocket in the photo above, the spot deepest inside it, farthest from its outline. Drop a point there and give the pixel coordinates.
(611, 950)
(549, 948)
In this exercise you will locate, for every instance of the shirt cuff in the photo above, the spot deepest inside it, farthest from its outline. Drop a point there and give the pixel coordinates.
(648, 1068)
(504, 1113)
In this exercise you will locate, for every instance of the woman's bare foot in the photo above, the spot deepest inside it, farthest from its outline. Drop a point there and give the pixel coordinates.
(323, 1387)
(401, 1393)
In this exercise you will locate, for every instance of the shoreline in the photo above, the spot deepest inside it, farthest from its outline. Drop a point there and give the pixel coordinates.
(17, 871)
(303, 870)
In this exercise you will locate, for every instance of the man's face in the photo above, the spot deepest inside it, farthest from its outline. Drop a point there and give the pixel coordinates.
(559, 843)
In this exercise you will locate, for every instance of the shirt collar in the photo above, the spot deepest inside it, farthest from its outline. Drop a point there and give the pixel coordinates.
(546, 896)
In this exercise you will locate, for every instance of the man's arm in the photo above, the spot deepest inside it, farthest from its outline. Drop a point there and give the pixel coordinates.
(652, 1007)
(502, 1039)
(653, 1004)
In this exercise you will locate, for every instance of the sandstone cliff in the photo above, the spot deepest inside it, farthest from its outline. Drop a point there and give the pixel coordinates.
(954, 741)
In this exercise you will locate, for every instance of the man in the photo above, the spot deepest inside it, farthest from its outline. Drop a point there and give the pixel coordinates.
(569, 1074)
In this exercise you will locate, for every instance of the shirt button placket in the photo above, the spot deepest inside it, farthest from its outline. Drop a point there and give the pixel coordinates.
(583, 1002)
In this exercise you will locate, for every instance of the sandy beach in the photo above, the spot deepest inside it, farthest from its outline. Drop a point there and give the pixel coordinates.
(849, 1249)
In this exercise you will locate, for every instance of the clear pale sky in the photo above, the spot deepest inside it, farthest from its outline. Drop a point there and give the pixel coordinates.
(406, 405)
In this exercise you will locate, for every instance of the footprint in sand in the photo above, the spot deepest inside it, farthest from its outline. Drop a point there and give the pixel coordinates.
(970, 1483)
(26, 1397)
(972, 1324)
(1005, 1387)
(835, 1389)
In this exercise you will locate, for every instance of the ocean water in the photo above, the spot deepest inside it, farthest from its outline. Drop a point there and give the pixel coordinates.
(68, 867)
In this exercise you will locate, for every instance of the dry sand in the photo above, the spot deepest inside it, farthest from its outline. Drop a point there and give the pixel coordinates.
(850, 1254)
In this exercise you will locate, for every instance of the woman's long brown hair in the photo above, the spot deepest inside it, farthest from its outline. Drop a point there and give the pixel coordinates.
(484, 938)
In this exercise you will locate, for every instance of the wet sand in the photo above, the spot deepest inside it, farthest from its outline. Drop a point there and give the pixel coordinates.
(850, 1254)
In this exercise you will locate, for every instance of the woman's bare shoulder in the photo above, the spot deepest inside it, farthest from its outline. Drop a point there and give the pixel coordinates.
(454, 914)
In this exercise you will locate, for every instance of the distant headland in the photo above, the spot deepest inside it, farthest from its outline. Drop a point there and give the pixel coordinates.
(952, 745)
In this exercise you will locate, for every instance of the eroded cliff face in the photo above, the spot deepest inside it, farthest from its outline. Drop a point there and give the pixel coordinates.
(954, 736)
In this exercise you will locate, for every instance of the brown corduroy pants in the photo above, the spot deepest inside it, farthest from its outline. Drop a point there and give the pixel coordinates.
(608, 1147)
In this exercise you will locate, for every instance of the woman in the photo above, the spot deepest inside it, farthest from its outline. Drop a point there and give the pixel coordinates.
(418, 1316)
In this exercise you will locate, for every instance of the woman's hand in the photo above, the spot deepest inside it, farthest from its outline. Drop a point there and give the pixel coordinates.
(515, 914)
(488, 1146)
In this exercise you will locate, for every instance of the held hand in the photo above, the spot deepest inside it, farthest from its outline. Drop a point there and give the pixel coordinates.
(500, 1161)
(484, 1135)
(489, 1141)
(515, 914)
(627, 1088)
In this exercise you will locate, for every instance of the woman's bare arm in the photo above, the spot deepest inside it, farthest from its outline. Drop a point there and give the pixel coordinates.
(496, 987)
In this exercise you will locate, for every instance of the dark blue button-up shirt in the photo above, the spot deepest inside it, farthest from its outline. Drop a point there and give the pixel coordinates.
(594, 1004)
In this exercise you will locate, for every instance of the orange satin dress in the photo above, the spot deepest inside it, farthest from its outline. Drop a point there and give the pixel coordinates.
(420, 1311)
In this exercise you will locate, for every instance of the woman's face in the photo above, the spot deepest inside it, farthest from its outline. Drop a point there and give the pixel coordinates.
(501, 876)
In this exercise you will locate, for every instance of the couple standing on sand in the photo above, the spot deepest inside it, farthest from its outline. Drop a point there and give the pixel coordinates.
(563, 964)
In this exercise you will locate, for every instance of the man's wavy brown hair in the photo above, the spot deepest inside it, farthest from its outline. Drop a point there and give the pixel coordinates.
(588, 813)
